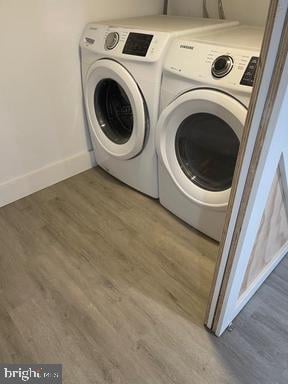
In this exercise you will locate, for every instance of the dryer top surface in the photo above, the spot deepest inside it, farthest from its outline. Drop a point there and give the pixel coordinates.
(168, 24)
(243, 37)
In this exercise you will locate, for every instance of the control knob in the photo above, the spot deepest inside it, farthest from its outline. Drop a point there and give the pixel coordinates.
(222, 66)
(111, 40)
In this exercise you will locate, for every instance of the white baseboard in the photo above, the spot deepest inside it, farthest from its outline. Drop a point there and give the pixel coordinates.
(25, 185)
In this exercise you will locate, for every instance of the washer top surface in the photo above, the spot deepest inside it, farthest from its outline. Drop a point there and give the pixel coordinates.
(243, 37)
(172, 24)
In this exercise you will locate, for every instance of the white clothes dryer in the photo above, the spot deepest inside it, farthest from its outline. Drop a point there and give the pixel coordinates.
(206, 90)
(122, 63)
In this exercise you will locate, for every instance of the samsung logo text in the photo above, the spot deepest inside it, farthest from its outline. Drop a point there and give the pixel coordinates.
(187, 46)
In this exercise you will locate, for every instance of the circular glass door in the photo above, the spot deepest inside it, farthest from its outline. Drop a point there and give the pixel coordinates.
(116, 110)
(206, 149)
(198, 139)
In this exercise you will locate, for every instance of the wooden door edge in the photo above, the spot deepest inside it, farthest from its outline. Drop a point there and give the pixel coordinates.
(265, 118)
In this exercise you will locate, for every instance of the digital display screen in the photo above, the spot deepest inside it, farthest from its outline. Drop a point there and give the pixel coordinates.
(137, 44)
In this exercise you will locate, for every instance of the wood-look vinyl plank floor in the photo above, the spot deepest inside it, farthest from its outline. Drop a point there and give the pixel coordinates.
(104, 280)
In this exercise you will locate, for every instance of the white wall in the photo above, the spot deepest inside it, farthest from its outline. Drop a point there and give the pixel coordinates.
(246, 11)
(42, 126)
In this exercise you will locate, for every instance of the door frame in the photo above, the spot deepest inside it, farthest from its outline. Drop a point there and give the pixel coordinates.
(257, 131)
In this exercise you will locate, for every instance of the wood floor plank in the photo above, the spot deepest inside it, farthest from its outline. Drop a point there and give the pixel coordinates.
(104, 280)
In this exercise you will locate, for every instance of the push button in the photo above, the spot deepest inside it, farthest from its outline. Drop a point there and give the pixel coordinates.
(249, 75)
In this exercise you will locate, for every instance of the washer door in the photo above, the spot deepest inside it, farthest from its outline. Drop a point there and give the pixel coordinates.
(198, 138)
(115, 109)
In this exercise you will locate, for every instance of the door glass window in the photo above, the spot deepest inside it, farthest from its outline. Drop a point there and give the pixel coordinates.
(113, 111)
(207, 149)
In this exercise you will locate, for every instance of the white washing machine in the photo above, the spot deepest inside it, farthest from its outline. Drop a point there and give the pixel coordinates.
(206, 90)
(122, 63)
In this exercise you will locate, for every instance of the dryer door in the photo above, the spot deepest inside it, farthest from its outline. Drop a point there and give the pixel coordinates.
(198, 137)
(116, 109)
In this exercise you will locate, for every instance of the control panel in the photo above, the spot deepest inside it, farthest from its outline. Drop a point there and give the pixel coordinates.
(121, 42)
(210, 64)
(250, 72)
(137, 44)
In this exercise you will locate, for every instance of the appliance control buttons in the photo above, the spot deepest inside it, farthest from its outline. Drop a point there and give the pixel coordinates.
(249, 75)
(112, 40)
(221, 66)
